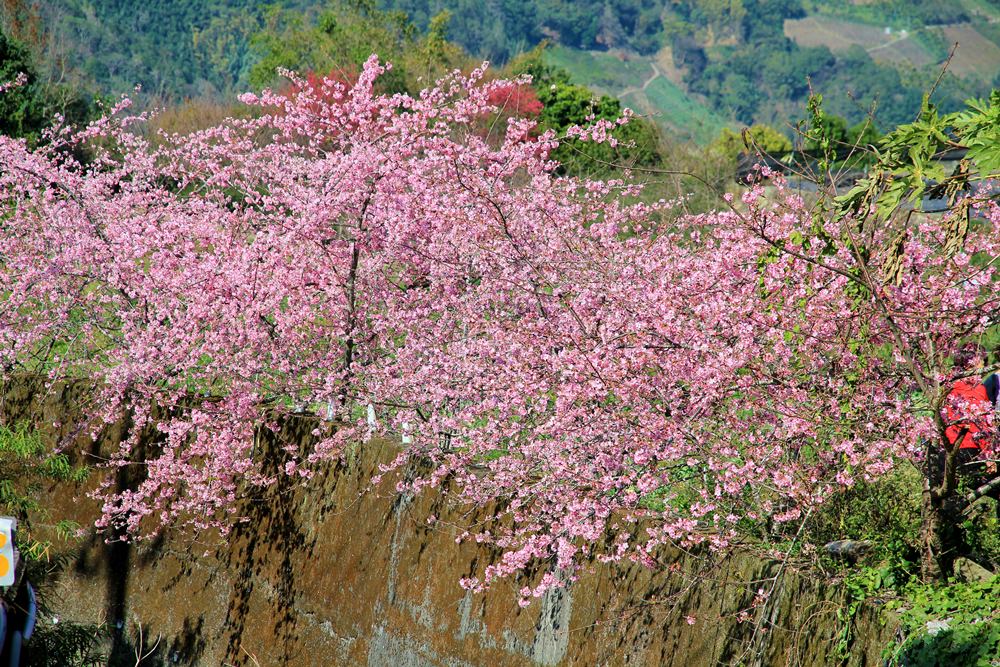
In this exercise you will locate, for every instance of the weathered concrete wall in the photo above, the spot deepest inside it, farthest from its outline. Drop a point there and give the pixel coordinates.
(330, 575)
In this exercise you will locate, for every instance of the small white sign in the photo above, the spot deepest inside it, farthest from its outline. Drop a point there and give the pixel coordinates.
(7, 525)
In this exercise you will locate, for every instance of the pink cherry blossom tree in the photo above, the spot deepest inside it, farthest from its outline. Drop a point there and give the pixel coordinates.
(612, 375)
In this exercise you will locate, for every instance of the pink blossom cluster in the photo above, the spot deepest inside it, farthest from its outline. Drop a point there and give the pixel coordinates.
(18, 81)
(603, 376)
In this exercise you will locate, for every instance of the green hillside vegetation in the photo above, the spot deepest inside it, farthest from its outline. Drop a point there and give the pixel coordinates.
(735, 54)
(741, 62)
(764, 76)
(696, 70)
(338, 38)
(640, 84)
(976, 57)
(899, 14)
(501, 29)
(674, 108)
(172, 48)
(27, 109)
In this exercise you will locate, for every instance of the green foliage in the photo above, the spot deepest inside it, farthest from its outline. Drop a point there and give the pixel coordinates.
(173, 48)
(26, 110)
(763, 138)
(886, 512)
(502, 29)
(981, 533)
(56, 642)
(764, 19)
(638, 85)
(22, 108)
(978, 127)
(861, 586)
(535, 64)
(721, 16)
(734, 52)
(905, 161)
(949, 625)
(338, 40)
(863, 135)
(567, 104)
(827, 132)
(765, 75)
(900, 14)
(435, 44)
(26, 465)
(67, 643)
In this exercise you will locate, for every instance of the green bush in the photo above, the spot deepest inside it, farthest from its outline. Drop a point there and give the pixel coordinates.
(957, 625)
(981, 534)
(26, 466)
(886, 512)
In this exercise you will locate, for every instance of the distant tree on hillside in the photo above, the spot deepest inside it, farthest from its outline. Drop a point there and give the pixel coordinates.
(342, 37)
(28, 107)
(21, 106)
(764, 139)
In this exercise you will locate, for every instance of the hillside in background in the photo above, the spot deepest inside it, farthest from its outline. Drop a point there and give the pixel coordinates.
(695, 62)
(695, 66)
(172, 48)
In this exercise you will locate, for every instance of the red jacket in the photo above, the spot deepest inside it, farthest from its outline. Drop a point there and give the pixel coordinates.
(974, 392)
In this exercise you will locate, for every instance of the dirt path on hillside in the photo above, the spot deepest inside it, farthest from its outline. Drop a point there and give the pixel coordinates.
(645, 84)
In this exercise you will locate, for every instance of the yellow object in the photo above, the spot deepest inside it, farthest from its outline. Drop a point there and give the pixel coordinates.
(7, 525)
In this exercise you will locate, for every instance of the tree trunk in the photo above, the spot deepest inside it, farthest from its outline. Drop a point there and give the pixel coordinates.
(941, 515)
(935, 564)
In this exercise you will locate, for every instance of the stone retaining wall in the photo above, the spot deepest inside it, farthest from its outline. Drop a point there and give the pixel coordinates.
(329, 575)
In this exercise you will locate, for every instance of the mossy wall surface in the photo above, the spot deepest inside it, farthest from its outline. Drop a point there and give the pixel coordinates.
(332, 573)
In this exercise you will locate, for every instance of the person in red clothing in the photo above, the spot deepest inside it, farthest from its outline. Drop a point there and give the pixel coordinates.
(972, 422)
(970, 409)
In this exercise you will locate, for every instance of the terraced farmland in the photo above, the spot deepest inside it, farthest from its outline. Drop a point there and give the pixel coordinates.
(976, 55)
(895, 47)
